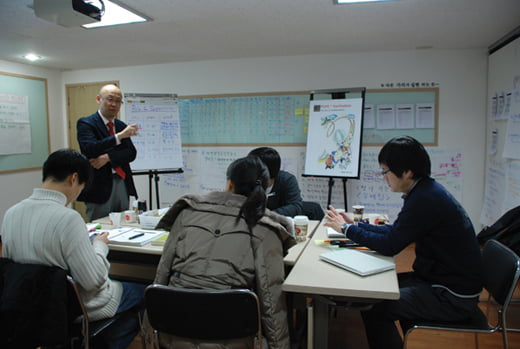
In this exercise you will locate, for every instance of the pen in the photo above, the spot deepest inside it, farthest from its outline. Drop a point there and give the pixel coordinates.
(135, 236)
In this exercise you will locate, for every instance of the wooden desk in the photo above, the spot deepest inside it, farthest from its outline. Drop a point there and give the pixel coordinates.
(139, 263)
(328, 284)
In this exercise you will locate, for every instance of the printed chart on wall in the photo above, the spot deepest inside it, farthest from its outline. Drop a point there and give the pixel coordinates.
(158, 142)
(334, 138)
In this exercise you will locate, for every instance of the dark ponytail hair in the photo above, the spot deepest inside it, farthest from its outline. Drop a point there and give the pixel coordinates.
(250, 178)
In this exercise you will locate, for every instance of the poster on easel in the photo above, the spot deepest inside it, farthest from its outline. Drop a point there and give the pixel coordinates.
(334, 138)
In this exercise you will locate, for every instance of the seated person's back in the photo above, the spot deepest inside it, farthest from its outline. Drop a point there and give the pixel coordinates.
(226, 240)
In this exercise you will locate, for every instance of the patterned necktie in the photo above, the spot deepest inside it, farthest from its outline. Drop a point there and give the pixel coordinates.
(118, 169)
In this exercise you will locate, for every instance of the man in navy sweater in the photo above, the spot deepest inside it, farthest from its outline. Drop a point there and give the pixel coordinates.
(446, 280)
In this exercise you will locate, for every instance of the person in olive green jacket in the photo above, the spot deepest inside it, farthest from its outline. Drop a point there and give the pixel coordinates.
(223, 240)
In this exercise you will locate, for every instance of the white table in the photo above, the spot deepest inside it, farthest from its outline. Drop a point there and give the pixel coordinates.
(328, 284)
(139, 263)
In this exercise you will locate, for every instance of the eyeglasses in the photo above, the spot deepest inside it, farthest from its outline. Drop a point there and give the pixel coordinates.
(383, 172)
(112, 101)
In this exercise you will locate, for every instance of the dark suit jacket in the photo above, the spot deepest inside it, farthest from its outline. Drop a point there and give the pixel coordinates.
(94, 140)
(285, 197)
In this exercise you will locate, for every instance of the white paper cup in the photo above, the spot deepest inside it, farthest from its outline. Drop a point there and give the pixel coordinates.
(130, 216)
(115, 218)
(301, 226)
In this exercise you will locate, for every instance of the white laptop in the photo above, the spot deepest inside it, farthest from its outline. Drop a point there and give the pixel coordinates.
(357, 262)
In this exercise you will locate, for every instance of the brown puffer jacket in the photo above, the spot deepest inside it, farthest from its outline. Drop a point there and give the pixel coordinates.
(208, 248)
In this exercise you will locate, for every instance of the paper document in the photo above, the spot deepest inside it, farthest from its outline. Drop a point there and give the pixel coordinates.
(331, 233)
(112, 233)
(137, 237)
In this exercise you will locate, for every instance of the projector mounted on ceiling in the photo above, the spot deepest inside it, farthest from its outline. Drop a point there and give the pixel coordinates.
(68, 13)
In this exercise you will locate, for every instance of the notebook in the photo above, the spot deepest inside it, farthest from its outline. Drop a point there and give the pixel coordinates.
(357, 262)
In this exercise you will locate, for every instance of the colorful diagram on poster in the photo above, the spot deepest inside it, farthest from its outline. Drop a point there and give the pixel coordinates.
(334, 138)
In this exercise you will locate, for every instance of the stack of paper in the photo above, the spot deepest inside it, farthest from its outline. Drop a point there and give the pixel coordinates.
(136, 237)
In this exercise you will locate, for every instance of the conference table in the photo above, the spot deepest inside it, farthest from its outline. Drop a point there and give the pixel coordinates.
(139, 263)
(329, 285)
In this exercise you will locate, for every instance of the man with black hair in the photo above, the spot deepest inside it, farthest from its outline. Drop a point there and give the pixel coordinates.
(446, 280)
(283, 193)
(43, 230)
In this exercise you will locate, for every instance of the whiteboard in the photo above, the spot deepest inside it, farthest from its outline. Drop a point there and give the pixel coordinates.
(158, 141)
(369, 190)
(334, 138)
(502, 177)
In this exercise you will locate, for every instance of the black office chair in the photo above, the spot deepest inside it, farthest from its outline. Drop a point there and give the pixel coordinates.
(38, 307)
(313, 210)
(203, 315)
(501, 271)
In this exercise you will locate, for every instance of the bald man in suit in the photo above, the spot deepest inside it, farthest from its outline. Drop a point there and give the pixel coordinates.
(105, 141)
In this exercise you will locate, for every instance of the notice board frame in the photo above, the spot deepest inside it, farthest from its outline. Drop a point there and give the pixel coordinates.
(390, 95)
(36, 89)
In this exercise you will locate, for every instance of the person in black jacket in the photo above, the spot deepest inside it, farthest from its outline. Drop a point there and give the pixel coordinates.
(284, 195)
(446, 280)
(105, 141)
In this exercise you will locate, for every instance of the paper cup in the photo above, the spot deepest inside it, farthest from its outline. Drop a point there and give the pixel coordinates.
(301, 226)
(358, 211)
(130, 216)
(115, 218)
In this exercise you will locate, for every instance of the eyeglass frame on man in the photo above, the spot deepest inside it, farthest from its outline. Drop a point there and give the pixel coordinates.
(112, 101)
(383, 172)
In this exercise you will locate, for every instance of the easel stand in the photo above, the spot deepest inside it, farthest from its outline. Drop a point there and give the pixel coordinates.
(154, 174)
(331, 184)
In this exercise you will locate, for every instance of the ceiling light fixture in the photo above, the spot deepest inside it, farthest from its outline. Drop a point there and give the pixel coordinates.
(116, 13)
(342, 2)
(32, 57)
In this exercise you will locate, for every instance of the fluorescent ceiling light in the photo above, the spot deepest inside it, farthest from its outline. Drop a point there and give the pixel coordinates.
(340, 2)
(116, 14)
(32, 57)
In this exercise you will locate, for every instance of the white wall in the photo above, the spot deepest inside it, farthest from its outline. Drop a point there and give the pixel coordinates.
(461, 75)
(18, 185)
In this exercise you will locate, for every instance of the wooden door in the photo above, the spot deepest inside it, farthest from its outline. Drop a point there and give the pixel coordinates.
(81, 101)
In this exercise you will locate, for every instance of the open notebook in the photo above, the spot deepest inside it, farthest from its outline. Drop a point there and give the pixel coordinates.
(357, 262)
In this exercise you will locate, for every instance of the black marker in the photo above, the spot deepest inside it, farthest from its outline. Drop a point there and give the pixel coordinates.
(135, 236)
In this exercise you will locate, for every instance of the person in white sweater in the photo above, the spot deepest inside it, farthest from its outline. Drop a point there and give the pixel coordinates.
(42, 230)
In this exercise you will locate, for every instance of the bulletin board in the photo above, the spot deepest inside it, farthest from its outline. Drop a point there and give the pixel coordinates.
(502, 177)
(275, 118)
(281, 118)
(395, 112)
(23, 112)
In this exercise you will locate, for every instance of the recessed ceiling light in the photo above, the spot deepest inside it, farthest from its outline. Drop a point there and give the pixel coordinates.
(32, 57)
(117, 14)
(341, 2)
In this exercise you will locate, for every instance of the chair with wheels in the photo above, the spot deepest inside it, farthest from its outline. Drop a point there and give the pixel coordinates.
(39, 305)
(203, 315)
(501, 271)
